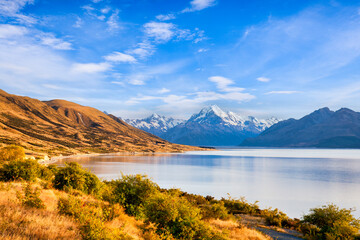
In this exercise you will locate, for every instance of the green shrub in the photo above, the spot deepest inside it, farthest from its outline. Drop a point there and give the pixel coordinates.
(11, 153)
(275, 217)
(131, 192)
(25, 169)
(73, 176)
(176, 216)
(331, 222)
(216, 210)
(92, 216)
(31, 198)
(241, 205)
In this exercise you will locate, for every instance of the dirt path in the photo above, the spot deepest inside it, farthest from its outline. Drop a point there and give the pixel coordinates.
(278, 235)
(258, 223)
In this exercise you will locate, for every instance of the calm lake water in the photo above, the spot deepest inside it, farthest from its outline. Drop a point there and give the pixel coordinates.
(293, 180)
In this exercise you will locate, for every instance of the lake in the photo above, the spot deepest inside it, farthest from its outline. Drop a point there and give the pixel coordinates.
(293, 180)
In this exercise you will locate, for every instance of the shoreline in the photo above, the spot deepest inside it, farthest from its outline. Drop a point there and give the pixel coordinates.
(53, 160)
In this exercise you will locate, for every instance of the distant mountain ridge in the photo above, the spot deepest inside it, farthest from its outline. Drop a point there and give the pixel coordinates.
(210, 127)
(155, 124)
(322, 128)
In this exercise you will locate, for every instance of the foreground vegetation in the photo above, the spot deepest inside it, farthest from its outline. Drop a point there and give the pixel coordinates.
(49, 202)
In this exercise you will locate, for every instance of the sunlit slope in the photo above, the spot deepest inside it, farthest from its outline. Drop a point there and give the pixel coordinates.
(59, 126)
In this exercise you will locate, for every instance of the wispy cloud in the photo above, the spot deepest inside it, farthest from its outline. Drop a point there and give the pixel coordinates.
(165, 17)
(142, 49)
(50, 40)
(159, 31)
(223, 84)
(8, 31)
(263, 79)
(113, 21)
(163, 90)
(91, 67)
(11, 8)
(197, 5)
(120, 57)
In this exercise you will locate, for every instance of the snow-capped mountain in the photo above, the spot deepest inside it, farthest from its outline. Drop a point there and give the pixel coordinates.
(155, 124)
(214, 127)
(210, 127)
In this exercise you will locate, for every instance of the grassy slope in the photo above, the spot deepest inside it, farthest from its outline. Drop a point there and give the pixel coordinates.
(62, 127)
(19, 222)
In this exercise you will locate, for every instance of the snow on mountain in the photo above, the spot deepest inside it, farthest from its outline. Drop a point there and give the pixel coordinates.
(155, 124)
(211, 126)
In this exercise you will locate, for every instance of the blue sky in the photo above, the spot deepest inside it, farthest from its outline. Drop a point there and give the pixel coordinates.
(132, 58)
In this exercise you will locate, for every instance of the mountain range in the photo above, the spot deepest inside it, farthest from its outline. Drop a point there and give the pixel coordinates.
(63, 127)
(210, 127)
(323, 128)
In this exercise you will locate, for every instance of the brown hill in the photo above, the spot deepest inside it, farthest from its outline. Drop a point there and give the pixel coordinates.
(59, 126)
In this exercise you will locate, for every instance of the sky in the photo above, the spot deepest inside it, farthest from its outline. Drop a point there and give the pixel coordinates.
(133, 58)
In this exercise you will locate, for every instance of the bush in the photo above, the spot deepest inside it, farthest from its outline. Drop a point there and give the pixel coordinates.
(92, 216)
(236, 206)
(216, 210)
(11, 153)
(73, 176)
(26, 169)
(331, 222)
(176, 216)
(31, 198)
(275, 217)
(131, 192)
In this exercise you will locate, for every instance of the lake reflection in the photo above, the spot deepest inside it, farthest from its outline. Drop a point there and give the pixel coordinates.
(292, 180)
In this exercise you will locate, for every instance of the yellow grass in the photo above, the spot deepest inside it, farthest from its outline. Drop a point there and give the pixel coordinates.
(18, 222)
(236, 231)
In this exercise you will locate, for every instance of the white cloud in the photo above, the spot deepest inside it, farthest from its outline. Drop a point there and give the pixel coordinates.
(223, 83)
(197, 5)
(203, 50)
(96, 1)
(166, 17)
(163, 32)
(8, 31)
(11, 8)
(120, 57)
(50, 40)
(163, 90)
(282, 92)
(263, 79)
(160, 31)
(113, 21)
(142, 50)
(78, 23)
(91, 67)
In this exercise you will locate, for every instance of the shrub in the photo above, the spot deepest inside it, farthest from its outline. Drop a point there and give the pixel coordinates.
(73, 176)
(11, 153)
(131, 192)
(31, 198)
(176, 216)
(25, 169)
(92, 216)
(240, 206)
(215, 210)
(331, 222)
(275, 217)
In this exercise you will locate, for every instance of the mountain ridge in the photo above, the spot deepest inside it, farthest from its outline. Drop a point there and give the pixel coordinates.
(62, 127)
(211, 126)
(321, 128)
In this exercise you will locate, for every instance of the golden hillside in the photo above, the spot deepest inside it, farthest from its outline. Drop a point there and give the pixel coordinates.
(62, 127)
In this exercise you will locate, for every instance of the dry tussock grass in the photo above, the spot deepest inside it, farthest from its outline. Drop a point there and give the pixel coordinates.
(236, 231)
(18, 222)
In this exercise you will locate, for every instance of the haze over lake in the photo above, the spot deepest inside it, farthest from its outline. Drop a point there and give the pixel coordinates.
(293, 180)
